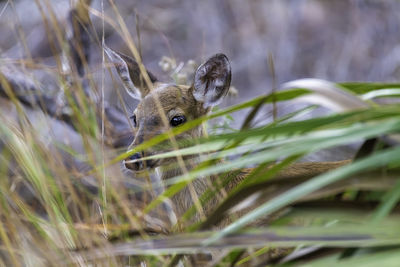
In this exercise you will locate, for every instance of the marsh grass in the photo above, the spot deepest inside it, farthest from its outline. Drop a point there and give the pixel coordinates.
(63, 205)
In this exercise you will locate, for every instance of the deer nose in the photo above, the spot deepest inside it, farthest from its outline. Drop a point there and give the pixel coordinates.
(137, 165)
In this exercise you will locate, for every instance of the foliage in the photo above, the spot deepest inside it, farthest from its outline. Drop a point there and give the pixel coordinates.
(52, 214)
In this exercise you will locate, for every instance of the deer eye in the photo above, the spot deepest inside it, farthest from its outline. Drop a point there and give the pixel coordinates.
(177, 120)
(133, 118)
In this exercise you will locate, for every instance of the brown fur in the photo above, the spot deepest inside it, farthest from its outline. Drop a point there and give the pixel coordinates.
(210, 85)
(178, 100)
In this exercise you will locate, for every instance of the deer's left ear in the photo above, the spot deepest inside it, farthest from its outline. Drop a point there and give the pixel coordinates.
(212, 80)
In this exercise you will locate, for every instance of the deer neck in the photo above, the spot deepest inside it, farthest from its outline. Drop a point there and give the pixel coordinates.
(183, 199)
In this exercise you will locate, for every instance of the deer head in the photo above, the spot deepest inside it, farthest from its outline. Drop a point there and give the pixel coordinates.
(178, 103)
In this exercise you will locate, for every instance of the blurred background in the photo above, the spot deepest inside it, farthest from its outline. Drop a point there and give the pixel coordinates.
(268, 42)
(335, 40)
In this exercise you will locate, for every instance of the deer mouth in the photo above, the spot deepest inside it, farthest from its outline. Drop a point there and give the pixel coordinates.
(138, 165)
(151, 164)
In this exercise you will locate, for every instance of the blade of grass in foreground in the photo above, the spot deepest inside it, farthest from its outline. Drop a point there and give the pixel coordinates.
(263, 137)
(278, 96)
(389, 258)
(389, 200)
(333, 236)
(308, 144)
(375, 161)
(363, 88)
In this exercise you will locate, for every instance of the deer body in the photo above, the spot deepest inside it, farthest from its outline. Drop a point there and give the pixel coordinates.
(169, 105)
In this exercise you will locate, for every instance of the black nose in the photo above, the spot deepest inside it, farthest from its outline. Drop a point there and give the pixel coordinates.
(135, 156)
(138, 165)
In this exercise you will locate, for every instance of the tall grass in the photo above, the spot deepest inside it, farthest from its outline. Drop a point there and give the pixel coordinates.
(66, 206)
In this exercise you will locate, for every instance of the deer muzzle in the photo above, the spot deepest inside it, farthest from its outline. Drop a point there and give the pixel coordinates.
(134, 162)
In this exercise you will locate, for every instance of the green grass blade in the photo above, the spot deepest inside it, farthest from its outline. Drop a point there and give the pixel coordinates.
(380, 159)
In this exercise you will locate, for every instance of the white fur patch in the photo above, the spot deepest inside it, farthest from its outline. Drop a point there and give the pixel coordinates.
(209, 98)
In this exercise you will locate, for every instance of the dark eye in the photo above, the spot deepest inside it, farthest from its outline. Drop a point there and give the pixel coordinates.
(133, 118)
(177, 120)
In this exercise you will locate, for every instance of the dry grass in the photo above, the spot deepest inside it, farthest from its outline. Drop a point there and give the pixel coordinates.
(65, 200)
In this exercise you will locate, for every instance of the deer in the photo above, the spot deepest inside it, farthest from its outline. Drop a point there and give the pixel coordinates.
(180, 104)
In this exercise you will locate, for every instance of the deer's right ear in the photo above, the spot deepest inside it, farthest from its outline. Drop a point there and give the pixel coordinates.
(212, 80)
(129, 72)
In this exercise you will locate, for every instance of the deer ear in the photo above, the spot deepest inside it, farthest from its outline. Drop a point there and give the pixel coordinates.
(129, 72)
(212, 80)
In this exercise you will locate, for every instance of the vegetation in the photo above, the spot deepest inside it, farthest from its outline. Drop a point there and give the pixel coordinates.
(66, 206)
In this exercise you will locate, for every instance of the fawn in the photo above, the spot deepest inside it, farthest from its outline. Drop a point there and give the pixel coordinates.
(179, 104)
